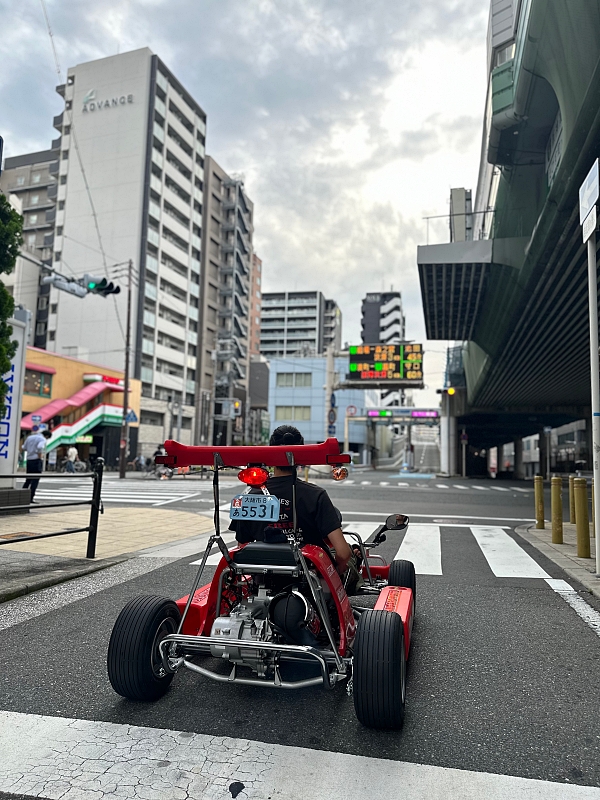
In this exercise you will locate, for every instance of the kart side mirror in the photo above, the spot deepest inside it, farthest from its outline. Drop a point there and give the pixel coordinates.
(396, 522)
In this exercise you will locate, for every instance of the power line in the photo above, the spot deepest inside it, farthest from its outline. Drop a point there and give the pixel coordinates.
(80, 160)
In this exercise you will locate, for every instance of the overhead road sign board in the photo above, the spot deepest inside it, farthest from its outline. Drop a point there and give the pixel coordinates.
(589, 193)
(397, 411)
(391, 364)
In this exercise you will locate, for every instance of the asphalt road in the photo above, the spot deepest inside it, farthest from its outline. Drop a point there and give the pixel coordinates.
(503, 680)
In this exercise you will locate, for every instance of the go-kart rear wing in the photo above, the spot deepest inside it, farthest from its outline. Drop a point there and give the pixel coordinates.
(182, 455)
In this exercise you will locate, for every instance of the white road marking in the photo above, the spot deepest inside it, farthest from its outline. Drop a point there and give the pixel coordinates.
(188, 547)
(517, 489)
(213, 559)
(505, 557)
(404, 484)
(442, 486)
(348, 481)
(500, 488)
(375, 514)
(384, 483)
(588, 614)
(364, 530)
(482, 488)
(366, 483)
(185, 499)
(422, 546)
(459, 486)
(130, 761)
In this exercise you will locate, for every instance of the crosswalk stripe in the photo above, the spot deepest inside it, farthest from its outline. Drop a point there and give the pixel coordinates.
(500, 488)
(38, 754)
(459, 486)
(504, 556)
(483, 488)
(422, 546)
(442, 486)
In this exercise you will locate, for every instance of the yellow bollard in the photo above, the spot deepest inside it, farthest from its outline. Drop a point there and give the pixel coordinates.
(538, 486)
(556, 510)
(581, 514)
(571, 500)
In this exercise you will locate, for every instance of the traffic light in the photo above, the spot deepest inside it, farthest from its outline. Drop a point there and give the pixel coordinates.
(237, 408)
(65, 285)
(98, 285)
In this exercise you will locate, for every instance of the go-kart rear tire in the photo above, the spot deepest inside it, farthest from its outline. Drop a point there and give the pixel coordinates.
(134, 666)
(379, 670)
(402, 573)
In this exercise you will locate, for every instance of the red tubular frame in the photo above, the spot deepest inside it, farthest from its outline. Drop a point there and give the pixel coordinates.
(182, 455)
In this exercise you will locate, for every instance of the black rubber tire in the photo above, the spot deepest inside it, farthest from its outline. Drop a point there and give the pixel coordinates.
(134, 667)
(379, 670)
(402, 573)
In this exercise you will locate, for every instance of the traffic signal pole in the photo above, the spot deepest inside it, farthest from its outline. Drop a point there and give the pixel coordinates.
(595, 375)
(123, 450)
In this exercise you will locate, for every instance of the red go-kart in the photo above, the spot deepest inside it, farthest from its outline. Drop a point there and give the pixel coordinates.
(276, 613)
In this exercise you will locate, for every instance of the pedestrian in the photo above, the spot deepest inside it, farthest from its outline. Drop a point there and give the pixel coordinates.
(72, 457)
(33, 447)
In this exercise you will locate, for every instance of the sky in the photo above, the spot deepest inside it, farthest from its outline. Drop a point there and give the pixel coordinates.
(349, 121)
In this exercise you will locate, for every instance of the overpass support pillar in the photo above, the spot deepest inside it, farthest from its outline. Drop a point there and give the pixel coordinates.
(449, 438)
(501, 467)
(519, 468)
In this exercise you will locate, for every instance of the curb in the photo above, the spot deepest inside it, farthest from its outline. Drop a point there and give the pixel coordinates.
(11, 592)
(572, 568)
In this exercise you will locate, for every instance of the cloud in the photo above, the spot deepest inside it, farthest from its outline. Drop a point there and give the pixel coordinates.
(349, 120)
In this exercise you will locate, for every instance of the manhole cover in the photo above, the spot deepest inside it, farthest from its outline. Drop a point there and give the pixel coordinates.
(12, 536)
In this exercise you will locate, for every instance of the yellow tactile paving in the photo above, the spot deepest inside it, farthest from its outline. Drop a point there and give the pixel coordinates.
(120, 530)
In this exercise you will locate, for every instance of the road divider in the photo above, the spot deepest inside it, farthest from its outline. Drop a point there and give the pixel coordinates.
(556, 510)
(538, 488)
(582, 519)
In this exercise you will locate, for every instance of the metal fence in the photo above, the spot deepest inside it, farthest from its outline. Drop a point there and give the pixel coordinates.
(95, 503)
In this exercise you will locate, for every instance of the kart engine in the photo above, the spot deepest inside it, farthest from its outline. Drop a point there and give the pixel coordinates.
(259, 618)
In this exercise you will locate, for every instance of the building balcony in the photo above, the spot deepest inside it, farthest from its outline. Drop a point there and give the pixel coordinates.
(57, 122)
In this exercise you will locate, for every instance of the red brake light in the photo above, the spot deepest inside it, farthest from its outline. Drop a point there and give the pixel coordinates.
(253, 476)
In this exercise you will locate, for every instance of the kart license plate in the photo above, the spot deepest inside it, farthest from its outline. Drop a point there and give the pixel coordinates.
(255, 506)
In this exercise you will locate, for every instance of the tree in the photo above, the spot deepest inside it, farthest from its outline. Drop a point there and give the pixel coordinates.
(11, 239)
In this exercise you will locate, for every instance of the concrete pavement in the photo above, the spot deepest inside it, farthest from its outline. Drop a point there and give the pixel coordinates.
(122, 532)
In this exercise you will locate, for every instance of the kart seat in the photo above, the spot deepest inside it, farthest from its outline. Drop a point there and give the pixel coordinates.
(266, 554)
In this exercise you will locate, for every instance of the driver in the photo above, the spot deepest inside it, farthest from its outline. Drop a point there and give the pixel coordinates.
(317, 519)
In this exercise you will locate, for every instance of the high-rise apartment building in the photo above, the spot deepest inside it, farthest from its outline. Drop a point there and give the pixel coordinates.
(255, 306)
(32, 178)
(383, 319)
(131, 186)
(298, 324)
(226, 270)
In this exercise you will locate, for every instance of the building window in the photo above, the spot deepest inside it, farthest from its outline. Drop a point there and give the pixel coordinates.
(63, 180)
(33, 219)
(31, 240)
(36, 178)
(298, 379)
(37, 383)
(35, 199)
(297, 413)
(51, 335)
(152, 418)
(21, 180)
(61, 205)
(54, 308)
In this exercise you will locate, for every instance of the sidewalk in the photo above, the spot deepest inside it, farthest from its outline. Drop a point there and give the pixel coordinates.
(565, 555)
(122, 532)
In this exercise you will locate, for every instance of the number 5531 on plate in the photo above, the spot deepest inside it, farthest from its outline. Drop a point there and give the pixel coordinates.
(259, 507)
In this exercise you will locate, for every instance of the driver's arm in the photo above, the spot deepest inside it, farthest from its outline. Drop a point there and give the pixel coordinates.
(341, 547)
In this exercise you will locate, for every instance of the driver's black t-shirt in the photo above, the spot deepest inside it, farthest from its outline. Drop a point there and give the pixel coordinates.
(316, 514)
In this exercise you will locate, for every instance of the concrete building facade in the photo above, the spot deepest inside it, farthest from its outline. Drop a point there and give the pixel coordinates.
(298, 324)
(382, 320)
(226, 270)
(255, 306)
(131, 186)
(31, 180)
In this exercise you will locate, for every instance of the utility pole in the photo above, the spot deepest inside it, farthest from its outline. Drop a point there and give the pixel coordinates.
(124, 425)
(329, 381)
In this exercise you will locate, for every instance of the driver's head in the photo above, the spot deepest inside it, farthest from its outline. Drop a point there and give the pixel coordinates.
(286, 435)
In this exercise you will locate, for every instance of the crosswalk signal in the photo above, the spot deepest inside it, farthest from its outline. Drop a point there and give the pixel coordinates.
(98, 285)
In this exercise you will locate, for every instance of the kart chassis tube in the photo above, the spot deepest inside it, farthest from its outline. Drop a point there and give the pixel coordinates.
(200, 645)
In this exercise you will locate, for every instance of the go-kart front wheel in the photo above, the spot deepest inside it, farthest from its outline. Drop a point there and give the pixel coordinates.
(379, 670)
(402, 573)
(135, 668)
